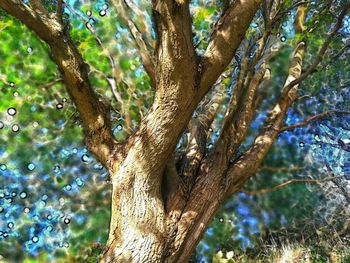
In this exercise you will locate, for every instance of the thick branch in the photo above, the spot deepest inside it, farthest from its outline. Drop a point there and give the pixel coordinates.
(93, 112)
(244, 101)
(248, 163)
(199, 128)
(226, 38)
(175, 83)
(322, 50)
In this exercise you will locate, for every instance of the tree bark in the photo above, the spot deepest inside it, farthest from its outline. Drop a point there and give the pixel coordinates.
(159, 213)
(143, 227)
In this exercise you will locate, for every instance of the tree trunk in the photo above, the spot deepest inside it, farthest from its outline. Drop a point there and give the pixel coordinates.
(159, 213)
(137, 226)
(141, 230)
(149, 222)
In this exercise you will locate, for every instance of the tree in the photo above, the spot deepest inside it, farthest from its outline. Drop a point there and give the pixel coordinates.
(185, 157)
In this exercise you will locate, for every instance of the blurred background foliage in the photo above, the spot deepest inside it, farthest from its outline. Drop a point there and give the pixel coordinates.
(54, 197)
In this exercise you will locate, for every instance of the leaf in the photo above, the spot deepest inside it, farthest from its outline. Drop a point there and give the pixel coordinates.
(230, 254)
(3, 25)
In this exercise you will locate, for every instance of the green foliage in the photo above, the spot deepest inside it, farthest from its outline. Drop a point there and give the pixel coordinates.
(50, 135)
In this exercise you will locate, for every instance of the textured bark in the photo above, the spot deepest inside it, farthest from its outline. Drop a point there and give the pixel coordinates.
(226, 38)
(159, 212)
(153, 144)
(137, 184)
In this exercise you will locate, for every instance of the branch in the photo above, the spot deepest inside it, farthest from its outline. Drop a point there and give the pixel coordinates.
(239, 85)
(51, 83)
(97, 39)
(248, 163)
(196, 149)
(38, 7)
(292, 181)
(244, 101)
(93, 112)
(53, 93)
(225, 5)
(335, 57)
(243, 104)
(199, 128)
(322, 50)
(30, 18)
(112, 81)
(237, 125)
(281, 13)
(59, 11)
(142, 45)
(339, 143)
(4, 79)
(124, 106)
(312, 118)
(176, 67)
(280, 169)
(227, 36)
(145, 28)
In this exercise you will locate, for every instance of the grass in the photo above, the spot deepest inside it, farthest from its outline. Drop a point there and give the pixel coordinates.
(314, 251)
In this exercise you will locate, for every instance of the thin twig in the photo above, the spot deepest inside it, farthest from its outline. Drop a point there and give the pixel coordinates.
(281, 169)
(4, 79)
(51, 83)
(292, 181)
(313, 118)
(59, 9)
(142, 44)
